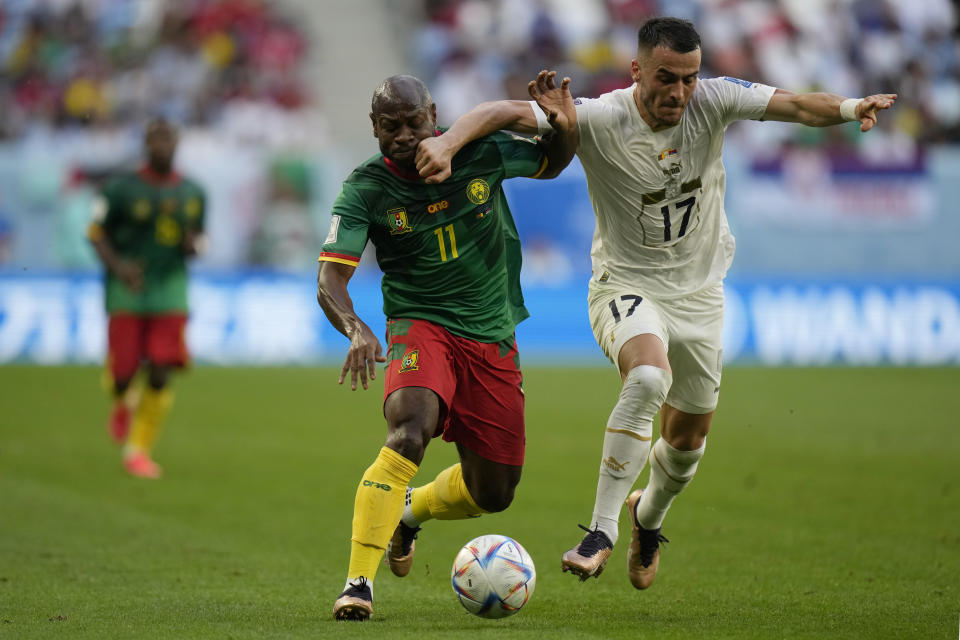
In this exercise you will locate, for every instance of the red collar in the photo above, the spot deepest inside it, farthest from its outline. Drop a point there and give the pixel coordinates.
(399, 171)
(158, 179)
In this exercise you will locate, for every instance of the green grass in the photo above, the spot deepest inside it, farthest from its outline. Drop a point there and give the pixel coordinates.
(827, 506)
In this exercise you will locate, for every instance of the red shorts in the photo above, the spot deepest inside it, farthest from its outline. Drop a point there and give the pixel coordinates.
(479, 385)
(155, 338)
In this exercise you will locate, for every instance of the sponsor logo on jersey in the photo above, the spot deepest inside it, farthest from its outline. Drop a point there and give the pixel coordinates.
(478, 191)
(410, 362)
(483, 211)
(437, 206)
(742, 83)
(397, 221)
(669, 161)
(141, 209)
(192, 207)
(605, 276)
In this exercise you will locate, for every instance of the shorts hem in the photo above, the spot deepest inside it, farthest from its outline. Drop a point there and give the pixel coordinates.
(688, 407)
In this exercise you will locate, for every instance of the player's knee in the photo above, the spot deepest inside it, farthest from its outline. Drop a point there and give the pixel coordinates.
(407, 438)
(645, 390)
(492, 498)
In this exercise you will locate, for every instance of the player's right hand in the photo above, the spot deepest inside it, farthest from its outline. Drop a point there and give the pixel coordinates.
(130, 274)
(362, 358)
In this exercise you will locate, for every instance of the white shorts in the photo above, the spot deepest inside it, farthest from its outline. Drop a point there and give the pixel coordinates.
(690, 328)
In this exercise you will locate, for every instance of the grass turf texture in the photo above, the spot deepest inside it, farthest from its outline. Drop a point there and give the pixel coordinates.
(827, 505)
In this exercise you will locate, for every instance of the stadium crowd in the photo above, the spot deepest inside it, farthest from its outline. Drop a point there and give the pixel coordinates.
(474, 50)
(190, 61)
(77, 81)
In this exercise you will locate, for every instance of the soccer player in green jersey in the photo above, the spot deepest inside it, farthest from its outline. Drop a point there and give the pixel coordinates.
(450, 257)
(145, 226)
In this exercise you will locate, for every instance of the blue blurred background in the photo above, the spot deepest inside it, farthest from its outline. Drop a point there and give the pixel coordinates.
(848, 244)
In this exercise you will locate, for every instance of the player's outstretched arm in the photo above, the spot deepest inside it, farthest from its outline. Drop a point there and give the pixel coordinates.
(826, 109)
(434, 155)
(365, 350)
(557, 104)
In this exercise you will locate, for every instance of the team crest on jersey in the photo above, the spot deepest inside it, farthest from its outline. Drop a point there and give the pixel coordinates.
(410, 362)
(141, 209)
(478, 191)
(397, 220)
(192, 207)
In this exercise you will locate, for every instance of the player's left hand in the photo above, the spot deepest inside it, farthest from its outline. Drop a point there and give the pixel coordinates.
(867, 110)
(434, 157)
(556, 102)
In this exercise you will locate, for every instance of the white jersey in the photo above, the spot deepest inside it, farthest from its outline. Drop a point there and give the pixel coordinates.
(658, 196)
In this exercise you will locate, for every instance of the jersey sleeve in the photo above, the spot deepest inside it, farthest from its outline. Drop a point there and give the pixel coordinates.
(737, 99)
(521, 156)
(195, 208)
(106, 210)
(349, 228)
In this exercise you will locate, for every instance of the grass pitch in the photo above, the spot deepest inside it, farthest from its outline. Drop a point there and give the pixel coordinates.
(828, 505)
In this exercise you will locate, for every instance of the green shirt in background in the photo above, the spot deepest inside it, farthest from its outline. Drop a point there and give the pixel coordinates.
(146, 219)
(449, 252)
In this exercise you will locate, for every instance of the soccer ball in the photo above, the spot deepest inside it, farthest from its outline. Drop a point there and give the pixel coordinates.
(493, 576)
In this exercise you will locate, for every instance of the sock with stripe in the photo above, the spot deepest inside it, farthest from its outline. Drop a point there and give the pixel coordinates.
(626, 443)
(445, 498)
(671, 470)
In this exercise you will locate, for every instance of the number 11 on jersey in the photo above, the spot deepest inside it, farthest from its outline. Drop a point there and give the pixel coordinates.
(443, 247)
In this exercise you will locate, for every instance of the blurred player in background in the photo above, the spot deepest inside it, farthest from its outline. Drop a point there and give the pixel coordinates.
(652, 157)
(145, 227)
(450, 256)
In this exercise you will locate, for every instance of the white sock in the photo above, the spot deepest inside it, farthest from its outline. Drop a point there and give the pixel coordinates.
(626, 443)
(671, 470)
(352, 583)
(407, 517)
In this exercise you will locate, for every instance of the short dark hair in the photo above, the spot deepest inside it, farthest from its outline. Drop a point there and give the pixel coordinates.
(400, 89)
(676, 34)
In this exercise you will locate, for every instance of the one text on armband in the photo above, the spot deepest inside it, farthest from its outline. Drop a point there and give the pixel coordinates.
(744, 83)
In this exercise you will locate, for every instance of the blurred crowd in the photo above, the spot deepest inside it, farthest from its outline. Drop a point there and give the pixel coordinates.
(109, 62)
(474, 50)
(78, 80)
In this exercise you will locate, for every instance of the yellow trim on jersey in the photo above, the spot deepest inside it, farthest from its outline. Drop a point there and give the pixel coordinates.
(352, 263)
(543, 167)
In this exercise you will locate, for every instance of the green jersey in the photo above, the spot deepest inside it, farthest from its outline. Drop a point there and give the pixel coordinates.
(145, 220)
(449, 252)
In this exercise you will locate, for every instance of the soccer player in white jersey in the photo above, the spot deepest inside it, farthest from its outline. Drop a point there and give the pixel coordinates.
(652, 158)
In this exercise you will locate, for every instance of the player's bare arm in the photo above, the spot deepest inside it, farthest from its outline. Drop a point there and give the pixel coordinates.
(365, 350)
(826, 109)
(128, 271)
(435, 154)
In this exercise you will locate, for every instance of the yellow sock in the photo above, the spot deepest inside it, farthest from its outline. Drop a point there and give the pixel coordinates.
(153, 408)
(446, 498)
(376, 511)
